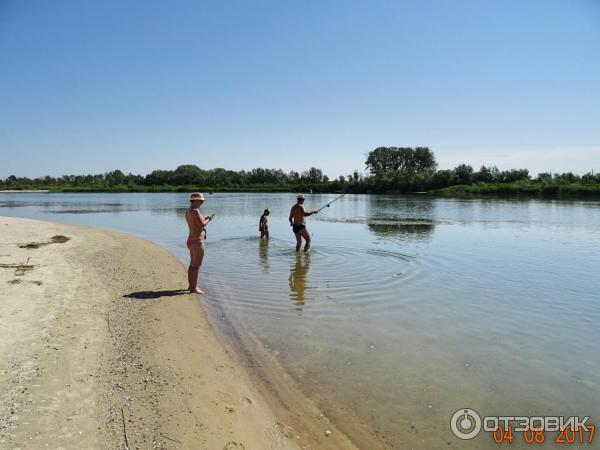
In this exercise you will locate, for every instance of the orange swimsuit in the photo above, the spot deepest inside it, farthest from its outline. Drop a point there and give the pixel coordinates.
(196, 241)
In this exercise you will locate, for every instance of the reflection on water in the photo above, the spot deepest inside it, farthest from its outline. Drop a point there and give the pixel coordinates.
(407, 308)
(298, 279)
(404, 231)
(88, 211)
(263, 254)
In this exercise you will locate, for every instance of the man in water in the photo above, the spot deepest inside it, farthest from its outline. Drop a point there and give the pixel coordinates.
(195, 243)
(298, 217)
(263, 224)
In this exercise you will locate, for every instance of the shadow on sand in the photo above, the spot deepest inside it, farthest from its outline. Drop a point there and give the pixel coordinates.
(148, 295)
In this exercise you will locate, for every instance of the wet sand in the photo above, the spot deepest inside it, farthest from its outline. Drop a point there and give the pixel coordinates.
(100, 349)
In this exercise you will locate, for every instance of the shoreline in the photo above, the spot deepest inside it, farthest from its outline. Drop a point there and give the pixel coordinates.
(25, 191)
(286, 395)
(104, 351)
(471, 193)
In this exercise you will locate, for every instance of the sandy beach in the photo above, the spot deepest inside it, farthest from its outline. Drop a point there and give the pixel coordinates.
(101, 349)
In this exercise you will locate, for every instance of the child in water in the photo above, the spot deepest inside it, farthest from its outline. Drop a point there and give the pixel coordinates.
(263, 224)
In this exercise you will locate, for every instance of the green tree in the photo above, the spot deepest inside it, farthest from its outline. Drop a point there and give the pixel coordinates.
(400, 159)
(487, 175)
(114, 178)
(423, 160)
(442, 179)
(463, 174)
(187, 174)
(312, 175)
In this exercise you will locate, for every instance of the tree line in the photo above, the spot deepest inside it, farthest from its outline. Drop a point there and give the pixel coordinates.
(388, 170)
(182, 176)
(402, 169)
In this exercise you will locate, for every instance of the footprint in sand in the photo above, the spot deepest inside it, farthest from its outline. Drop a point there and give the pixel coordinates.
(225, 369)
(223, 397)
(226, 399)
(232, 445)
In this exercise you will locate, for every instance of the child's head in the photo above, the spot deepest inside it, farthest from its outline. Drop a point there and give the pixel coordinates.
(267, 212)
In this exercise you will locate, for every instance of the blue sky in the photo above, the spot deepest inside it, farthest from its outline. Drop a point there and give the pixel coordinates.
(87, 87)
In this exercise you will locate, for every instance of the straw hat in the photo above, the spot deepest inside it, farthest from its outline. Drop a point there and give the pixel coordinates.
(196, 196)
(300, 197)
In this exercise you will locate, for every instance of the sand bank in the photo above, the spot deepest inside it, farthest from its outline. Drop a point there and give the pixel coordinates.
(100, 349)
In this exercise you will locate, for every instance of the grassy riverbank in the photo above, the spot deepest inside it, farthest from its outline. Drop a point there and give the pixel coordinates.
(389, 170)
(324, 187)
(520, 189)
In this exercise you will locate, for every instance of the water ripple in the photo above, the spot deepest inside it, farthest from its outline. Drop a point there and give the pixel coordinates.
(329, 281)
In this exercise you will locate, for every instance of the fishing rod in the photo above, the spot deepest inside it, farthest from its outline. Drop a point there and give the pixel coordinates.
(334, 200)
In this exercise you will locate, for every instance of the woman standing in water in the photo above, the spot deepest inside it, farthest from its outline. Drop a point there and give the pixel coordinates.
(195, 243)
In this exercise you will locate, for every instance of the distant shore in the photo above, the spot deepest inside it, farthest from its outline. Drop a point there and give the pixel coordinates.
(478, 190)
(387, 170)
(101, 349)
(30, 191)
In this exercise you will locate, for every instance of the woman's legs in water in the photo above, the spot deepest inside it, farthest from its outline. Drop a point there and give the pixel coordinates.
(196, 257)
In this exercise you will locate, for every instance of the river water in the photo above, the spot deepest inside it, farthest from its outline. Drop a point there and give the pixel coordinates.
(407, 309)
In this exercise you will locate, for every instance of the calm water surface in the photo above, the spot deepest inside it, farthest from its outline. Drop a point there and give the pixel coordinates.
(407, 309)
